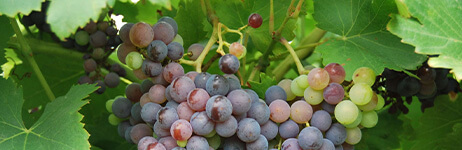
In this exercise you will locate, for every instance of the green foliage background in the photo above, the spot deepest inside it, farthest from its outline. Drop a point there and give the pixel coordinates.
(370, 33)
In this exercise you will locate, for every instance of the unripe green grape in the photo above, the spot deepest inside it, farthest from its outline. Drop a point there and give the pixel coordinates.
(313, 97)
(361, 94)
(182, 143)
(353, 135)
(98, 53)
(296, 89)
(380, 102)
(346, 112)
(302, 81)
(82, 37)
(371, 105)
(238, 50)
(356, 122)
(134, 60)
(109, 105)
(364, 75)
(370, 119)
(178, 39)
(214, 141)
(285, 84)
(113, 120)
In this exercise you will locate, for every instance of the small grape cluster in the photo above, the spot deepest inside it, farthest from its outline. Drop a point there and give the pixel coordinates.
(323, 98)
(102, 39)
(433, 82)
(38, 18)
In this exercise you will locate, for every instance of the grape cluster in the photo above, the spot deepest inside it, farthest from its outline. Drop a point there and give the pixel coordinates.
(433, 82)
(98, 40)
(324, 98)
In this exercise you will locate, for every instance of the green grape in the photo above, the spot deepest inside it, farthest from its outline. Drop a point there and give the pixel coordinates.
(380, 102)
(178, 39)
(296, 89)
(113, 120)
(98, 53)
(82, 38)
(356, 122)
(353, 135)
(371, 105)
(214, 141)
(346, 112)
(364, 75)
(211, 134)
(370, 119)
(182, 143)
(302, 81)
(134, 60)
(361, 93)
(313, 97)
(109, 105)
(285, 84)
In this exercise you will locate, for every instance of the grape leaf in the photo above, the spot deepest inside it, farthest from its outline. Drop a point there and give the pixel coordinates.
(383, 135)
(437, 31)
(146, 12)
(13, 7)
(164, 3)
(260, 87)
(65, 16)
(439, 125)
(7, 32)
(58, 128)
(363, 39)
(12, 61)
(190, 18)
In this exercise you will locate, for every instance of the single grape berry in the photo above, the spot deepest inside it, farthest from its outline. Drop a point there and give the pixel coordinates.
(255, 20)
(229, 64)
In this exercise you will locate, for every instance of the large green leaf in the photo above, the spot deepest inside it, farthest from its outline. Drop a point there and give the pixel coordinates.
(58, 128)
(437, 31)
(13, 7)
(440, 125)
(363, 39)
(65, 16)
(190, 22)
(146, 12)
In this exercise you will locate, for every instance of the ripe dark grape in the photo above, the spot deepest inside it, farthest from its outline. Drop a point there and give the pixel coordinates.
(102, 26)
(111, 31)
(333, 93)
(259, 111)
(337, 134)
(248, 130)
(163, 32)
(310, 138)
(149, 112)
(229, 64)
(227, 128)
(197, 142)
(197, 99)
(169, 142)
(217, 85)
(151, 68)
(201, 79)
(133, 92)
(118, 69)
(125, 33)
(141, 34)
(98, 39)
(102, 87)
(321, 119)
(184, 111)
(255, 20)
(146, 85)
(91, 27)
(336, 72)
(273, 93)
(181, 130)
(89, 65)
(172, 71)
(139, 131)
(135, 113)
(218, 108)
(112, 80)
(170, 21)
(260, 143)
(85, 80)
(181, 86)
(98, 53)
(175, 51)
(288, 129)
(269, 130)
(122, 127)
(121, 107)
(123, 50)
(166, 116)
(240, 100)
(290, 144)
(196, 50)
(145, 141)
(201, 123)
(409, 86)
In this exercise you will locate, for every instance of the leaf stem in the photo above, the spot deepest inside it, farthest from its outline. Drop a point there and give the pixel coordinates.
(26, 51)
(271, 17)
(299, 65)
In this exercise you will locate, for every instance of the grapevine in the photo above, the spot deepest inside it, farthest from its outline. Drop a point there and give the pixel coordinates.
(274, 75)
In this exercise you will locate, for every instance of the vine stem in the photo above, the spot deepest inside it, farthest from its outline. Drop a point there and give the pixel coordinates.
(299, 65)
(26, 51)
(284, 66)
